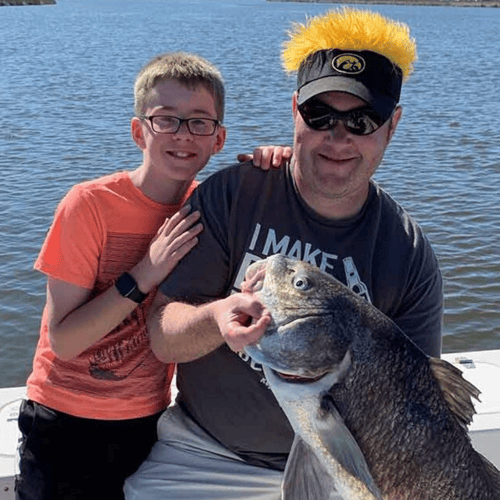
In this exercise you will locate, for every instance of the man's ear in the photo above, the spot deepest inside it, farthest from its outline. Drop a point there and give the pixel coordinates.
(137, 132)
(394, 121)
(294, 105)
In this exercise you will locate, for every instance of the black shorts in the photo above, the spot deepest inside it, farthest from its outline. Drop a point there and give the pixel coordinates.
(71, 458)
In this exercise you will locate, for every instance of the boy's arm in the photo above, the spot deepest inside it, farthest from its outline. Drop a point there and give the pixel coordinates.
(182, 332)
(75, 323)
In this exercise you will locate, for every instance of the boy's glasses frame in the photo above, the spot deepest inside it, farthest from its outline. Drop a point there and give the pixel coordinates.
(166, 124)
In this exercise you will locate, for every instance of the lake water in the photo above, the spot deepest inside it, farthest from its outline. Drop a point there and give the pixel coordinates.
(66, 78)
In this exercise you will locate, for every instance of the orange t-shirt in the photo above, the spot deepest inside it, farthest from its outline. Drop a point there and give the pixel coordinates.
(101, 229)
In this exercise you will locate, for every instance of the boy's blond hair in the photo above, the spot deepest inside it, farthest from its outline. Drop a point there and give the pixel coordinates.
(190, 70)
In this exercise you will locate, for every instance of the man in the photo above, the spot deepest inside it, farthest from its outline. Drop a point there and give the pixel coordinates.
(227, 437)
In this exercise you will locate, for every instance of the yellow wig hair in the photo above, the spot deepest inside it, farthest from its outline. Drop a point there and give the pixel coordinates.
(350, 29)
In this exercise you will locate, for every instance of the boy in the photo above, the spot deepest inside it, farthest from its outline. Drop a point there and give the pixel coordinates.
(96, 389)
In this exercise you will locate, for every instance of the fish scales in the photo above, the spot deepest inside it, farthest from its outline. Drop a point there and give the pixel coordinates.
(382, 419)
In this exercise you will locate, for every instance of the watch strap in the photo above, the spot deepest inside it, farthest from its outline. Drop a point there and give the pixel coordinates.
(127, 287)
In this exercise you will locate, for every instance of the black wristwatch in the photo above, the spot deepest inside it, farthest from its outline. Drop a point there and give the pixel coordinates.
(128, 288)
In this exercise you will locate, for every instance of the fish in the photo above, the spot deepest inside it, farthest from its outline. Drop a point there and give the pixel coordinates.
(375, 418)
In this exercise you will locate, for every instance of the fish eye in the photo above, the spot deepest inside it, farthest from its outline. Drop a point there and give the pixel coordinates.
(301, 283)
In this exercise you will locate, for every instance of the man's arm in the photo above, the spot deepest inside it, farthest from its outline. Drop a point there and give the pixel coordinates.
(422, 314)
(182, 332)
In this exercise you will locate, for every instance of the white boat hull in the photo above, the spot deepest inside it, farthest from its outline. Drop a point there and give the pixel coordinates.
(482, 368)
(10, 400)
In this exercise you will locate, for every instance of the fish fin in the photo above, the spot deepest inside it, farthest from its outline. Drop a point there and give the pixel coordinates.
(494, 476)
(305, 476)
(341, 444)
(457, 391)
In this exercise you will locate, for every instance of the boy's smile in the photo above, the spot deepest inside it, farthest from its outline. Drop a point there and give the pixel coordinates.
(176, 157)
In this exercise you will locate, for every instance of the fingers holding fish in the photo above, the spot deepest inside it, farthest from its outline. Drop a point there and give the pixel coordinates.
(242, 320)
(254, 279)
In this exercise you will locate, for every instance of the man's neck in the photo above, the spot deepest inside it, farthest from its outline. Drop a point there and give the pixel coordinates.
(333, 207)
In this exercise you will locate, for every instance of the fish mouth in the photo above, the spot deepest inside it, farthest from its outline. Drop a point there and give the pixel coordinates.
(280, 324)
(298, 379)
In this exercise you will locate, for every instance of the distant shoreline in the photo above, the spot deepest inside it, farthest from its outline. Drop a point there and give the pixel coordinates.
(430, 3)
(9, 3)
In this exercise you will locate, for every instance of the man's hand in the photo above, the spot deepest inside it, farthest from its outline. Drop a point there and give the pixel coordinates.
(242, 319)
(266, 157)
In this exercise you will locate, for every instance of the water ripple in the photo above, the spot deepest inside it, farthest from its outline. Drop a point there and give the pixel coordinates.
(66, 103)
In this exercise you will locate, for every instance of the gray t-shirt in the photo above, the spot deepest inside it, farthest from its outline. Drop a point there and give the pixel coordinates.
(249, 214)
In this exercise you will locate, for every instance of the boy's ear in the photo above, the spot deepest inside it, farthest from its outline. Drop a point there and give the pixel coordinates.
(220, 139)
(137, 133)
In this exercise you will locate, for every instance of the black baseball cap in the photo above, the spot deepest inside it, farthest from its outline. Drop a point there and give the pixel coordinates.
(365, 74)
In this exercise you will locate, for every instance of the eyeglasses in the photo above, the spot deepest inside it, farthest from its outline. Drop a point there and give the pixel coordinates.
(163, 124)
(320, 116)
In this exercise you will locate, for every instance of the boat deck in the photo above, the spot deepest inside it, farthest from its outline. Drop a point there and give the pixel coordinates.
(481, 368)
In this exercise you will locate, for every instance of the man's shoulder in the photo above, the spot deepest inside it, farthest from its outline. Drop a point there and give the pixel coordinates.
(389, 203)
(238, 181)
(391, 208)
(237, 170)
(401, 229)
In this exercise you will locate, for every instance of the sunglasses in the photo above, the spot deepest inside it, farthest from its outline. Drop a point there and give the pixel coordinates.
(319, 116)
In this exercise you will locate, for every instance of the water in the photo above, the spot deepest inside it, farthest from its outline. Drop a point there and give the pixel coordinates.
(66, 78)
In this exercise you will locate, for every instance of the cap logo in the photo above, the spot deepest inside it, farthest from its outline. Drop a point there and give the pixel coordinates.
(350, 64)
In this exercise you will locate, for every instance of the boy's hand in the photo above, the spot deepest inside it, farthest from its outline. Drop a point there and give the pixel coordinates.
(266, 157)
(175, 238)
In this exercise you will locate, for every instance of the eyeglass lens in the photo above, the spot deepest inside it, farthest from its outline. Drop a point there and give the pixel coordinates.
(163, 124)
(320, 116)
